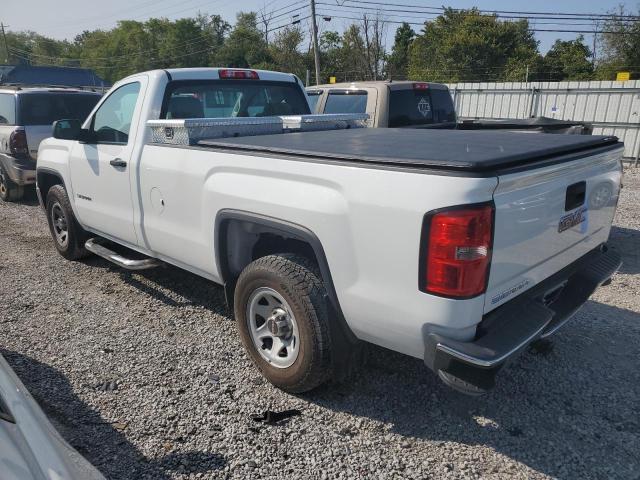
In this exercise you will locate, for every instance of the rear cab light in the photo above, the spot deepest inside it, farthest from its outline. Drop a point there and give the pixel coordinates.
(18, 143)
(455, 251)
(237, 74)
(420, 86)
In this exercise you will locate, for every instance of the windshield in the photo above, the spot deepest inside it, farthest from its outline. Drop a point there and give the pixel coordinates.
(233, 98)
(420, 107)
(46, 108)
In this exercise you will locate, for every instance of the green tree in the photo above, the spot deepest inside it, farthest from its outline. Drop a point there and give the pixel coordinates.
(285, 52)
(245, 46)
(330, 54)
(352, 54)
(568, 60)
(620, 47)
(465, 45)
(32, 48)
(398, 62)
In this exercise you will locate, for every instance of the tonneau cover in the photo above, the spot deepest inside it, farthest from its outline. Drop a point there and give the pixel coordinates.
(475, 151)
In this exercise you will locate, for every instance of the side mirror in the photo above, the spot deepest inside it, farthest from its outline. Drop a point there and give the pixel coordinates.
(68, 129)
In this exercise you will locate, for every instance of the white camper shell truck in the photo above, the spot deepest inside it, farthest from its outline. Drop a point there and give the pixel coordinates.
(456, 247)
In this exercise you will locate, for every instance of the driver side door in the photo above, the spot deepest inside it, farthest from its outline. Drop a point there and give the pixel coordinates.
(100, 167)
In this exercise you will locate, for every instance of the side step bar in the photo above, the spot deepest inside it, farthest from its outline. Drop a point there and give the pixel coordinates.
(94, 246)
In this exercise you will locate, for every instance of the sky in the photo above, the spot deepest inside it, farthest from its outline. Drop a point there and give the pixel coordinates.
(66, 18)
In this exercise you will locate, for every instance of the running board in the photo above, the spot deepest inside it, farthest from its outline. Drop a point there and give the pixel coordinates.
(93, 245)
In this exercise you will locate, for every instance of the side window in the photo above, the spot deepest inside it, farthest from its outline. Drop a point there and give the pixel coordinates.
(346, 102)
(7, 109)
(314, 96)
(112, 121)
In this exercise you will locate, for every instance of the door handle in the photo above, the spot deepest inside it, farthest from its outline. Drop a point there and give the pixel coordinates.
(118, 162)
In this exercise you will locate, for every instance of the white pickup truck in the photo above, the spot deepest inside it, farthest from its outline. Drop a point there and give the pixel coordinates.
(457, 247)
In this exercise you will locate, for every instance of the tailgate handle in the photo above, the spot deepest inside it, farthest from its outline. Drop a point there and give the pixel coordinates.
(575, 195)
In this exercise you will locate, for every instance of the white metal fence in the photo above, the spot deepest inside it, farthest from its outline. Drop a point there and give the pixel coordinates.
(613, 108)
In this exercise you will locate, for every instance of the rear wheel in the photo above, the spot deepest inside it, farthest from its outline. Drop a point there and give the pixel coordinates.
(282, 315)
(9, 191)
(68, 236)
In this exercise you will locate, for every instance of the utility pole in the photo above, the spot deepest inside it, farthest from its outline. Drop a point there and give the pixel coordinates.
(316, 54)
(596, 27)
(4, 37)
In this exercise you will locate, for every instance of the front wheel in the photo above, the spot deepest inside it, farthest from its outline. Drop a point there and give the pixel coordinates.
(283, 318)
(68, 236)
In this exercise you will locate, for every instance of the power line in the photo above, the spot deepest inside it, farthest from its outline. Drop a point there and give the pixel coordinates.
(436, 14)
(611, 16)
(530, 29)
(408, 16)
(143, 52)
(119, 59)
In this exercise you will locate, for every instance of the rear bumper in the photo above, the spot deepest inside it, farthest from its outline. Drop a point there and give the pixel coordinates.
(20, 171)
(506, 331)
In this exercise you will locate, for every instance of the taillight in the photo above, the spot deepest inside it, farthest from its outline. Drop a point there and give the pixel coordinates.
(239, 74)
(458, 251)
(420, 86)
(18, 143)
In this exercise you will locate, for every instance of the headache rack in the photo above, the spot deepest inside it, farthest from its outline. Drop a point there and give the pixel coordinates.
(190, 131)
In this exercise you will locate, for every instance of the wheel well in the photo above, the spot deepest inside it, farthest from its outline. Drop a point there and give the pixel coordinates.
(240, 242)
(242, 237)
(46, 180)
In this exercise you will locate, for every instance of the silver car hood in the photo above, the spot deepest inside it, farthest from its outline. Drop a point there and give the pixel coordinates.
(30, 447)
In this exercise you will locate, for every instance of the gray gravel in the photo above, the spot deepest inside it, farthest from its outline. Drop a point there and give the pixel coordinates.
(145, 375)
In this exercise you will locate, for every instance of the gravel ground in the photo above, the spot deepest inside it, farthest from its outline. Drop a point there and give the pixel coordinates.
(145, 375)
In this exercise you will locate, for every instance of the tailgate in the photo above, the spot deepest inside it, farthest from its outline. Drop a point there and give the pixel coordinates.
(548, 217)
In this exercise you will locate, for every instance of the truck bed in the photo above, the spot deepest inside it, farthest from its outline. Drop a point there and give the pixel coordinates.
(467, 151)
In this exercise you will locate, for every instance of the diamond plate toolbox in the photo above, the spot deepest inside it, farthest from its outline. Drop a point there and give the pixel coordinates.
(190, 131)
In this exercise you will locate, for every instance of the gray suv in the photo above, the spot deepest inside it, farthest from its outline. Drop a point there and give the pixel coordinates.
(26, 115)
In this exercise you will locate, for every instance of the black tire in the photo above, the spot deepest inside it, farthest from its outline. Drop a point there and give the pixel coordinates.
(9, 191)
(73, 247)
(297, 280)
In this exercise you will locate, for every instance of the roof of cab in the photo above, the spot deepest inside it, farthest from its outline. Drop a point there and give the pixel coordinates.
(392, 84)
(206, 73)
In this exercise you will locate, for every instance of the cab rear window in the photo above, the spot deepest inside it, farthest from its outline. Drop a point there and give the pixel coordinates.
(232, 98)
(420, 107)
(46, 108)
(347, 101)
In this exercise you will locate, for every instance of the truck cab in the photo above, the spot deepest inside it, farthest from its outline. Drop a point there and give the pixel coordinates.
(389, 104)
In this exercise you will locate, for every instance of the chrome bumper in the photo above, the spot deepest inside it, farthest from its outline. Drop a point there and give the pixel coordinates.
(506, 331)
